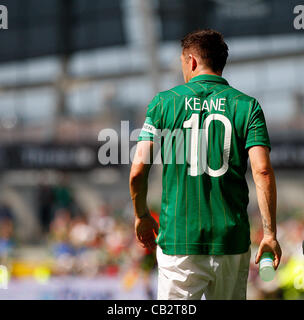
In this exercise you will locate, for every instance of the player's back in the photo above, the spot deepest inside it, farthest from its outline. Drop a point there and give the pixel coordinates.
(207, 127)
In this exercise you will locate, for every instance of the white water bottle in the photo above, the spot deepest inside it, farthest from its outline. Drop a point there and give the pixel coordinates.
(266, 269)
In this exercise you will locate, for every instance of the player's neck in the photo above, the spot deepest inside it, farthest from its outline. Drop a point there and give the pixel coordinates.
(206, 72)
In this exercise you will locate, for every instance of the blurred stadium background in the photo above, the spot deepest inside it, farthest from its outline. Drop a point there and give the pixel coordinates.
(70, 68)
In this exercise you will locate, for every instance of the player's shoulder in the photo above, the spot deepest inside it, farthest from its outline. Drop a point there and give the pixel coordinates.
(232, 94)
(177, 91)
(241, 97)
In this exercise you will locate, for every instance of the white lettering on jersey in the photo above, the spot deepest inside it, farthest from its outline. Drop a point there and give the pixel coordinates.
(149, 128)
(197, 105)
(187, 103)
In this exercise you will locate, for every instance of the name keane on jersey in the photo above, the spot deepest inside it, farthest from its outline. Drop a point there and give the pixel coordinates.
(196, 104)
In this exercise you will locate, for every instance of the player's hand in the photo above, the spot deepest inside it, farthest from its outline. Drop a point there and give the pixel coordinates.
(144, 230)
(270, 244)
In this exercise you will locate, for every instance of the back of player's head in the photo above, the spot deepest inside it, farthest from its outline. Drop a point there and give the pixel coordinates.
(209, 46)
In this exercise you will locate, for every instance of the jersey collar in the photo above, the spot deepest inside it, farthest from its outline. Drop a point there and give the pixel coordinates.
(209, 77)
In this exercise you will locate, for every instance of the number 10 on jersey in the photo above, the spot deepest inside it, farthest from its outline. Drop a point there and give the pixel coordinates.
(199, 145)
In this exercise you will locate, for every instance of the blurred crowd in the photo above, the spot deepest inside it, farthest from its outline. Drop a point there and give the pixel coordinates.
(89, 244)
(6, 232)
(289, 280)
(103, 243)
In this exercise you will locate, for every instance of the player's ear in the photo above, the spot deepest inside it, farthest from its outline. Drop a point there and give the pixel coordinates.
(193, 62)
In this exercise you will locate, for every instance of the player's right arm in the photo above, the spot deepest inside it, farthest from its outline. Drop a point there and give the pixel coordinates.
(145, 225)
(264, 179)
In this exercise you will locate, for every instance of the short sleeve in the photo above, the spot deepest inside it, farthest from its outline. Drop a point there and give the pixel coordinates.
(257, 134)
(151, 128)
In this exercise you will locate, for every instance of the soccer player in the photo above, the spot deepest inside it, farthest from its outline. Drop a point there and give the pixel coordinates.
(203, 242)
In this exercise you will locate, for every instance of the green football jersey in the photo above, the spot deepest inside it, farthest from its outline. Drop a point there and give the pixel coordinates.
(205, 128)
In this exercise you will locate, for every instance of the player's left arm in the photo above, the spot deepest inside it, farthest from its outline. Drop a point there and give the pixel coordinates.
(258, 146)
(145, 225)
(264, 179)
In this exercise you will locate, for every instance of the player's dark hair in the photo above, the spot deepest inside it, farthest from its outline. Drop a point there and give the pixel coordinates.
(209, 45)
